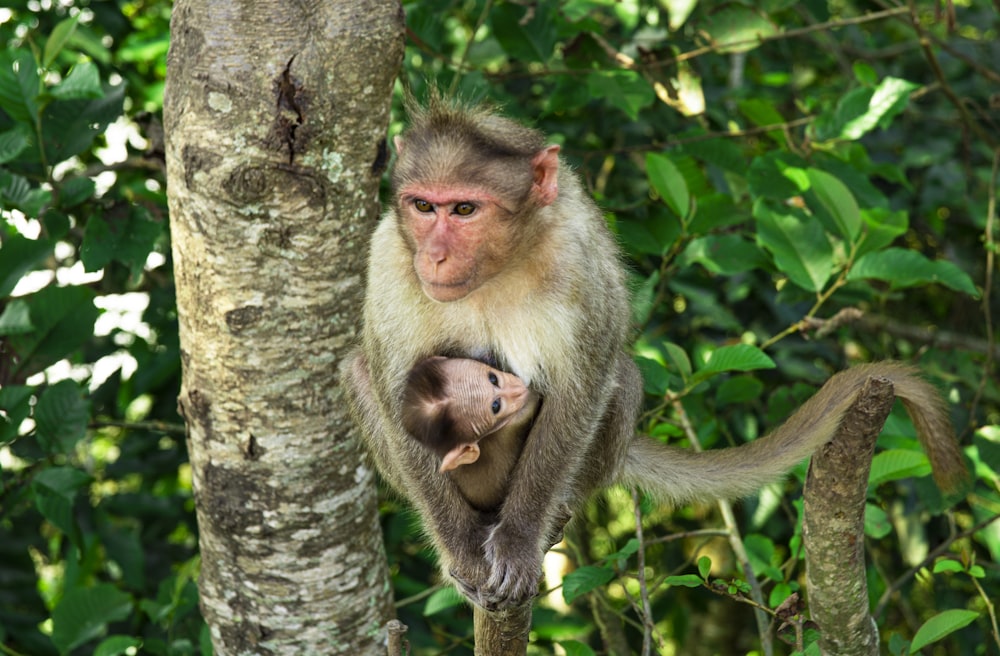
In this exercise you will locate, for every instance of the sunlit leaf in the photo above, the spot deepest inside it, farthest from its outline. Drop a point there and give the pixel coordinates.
(736, 357)
(81, 83)
(738, 28)
(584, 579)
(905, 268)
(58, 37)
(798, 243)
(835, 202)
(894, 464)
(941, 625)
(669, 184)
(446, 597)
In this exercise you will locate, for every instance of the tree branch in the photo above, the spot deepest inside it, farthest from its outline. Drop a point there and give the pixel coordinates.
(833, 526)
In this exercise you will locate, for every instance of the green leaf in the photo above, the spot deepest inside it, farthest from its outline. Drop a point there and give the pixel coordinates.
(679, 358)
(704, 567)
(723, 254)
(127, 239)
(723, 153)
(526, 35)
(84, 613)
(117, 646)
(735, 357)
(833, 203)
(712, 212)
(685, 580)
(768, 176)
(446, 597)
(625, 90)
(739, 389)
(15, 402)
(653, 235)
(894, 464)
(73, 191)
(798, 243)
(12, 99)
(941, 625)
(629, 548)
(70, 126)
(54, 491)
(58, 38)
(862, 110)
(61, 417)
(738, 28)
(13, 142)
(574, 648)
(63, 318)
(881, 227)
(905, 268)
(83, 82)
(762, 112)
(18, 255)
(666, 179)
(877, 524)
(948, 565)
(16, 318)
(584, 579)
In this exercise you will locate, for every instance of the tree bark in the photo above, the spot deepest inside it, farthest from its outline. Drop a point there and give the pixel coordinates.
(502, 632)
(833, 526)
(275, 116)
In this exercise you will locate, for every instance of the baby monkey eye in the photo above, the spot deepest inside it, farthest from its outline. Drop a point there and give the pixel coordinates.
(496, 406)
(493, 379)
(423, 205)
(464, 209)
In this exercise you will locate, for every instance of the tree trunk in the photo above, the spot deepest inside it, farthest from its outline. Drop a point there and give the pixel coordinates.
(834, 525)
(275, 116)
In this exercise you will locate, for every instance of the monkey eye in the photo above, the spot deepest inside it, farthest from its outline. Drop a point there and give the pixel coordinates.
(423, 205)
(495, 407)
(494, 381)
(464, 209)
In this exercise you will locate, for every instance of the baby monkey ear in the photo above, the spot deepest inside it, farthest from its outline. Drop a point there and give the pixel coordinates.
(462, 454)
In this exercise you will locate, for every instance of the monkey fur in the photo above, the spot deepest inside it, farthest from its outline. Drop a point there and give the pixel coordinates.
(490, 249)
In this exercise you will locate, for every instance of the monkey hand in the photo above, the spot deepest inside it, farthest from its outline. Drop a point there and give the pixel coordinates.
(515, 563)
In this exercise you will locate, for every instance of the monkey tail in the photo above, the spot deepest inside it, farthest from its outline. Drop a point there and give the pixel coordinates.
(676, 476)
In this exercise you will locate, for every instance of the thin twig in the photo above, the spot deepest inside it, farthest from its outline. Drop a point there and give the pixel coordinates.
(990, 246)
(647, 609)
(736, 544)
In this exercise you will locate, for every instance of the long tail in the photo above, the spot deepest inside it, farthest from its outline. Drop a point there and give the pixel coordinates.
(676, 476)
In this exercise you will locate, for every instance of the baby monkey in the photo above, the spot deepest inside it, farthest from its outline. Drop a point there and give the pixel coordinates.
(451, 404)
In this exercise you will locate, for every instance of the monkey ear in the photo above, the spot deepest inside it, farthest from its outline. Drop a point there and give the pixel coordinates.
(397, 141)
(463, 454)
(546, 167)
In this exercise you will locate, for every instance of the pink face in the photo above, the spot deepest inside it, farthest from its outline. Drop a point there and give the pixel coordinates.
(460, 240)
(463, 235)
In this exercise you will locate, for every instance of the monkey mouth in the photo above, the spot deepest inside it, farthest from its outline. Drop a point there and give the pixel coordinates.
(445, 292)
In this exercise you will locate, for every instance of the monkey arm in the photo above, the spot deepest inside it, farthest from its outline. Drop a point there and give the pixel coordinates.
(537, 505)
(678, 476)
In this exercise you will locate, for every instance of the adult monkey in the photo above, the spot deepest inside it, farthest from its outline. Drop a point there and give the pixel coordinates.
(491, 250)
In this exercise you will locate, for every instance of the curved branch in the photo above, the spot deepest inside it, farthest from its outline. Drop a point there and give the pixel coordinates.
(833, 526)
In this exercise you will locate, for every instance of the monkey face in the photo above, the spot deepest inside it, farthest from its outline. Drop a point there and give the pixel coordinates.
(459, 237)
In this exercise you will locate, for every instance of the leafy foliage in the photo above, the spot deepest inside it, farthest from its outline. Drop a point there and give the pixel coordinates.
(97, 533)
(796, 187)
